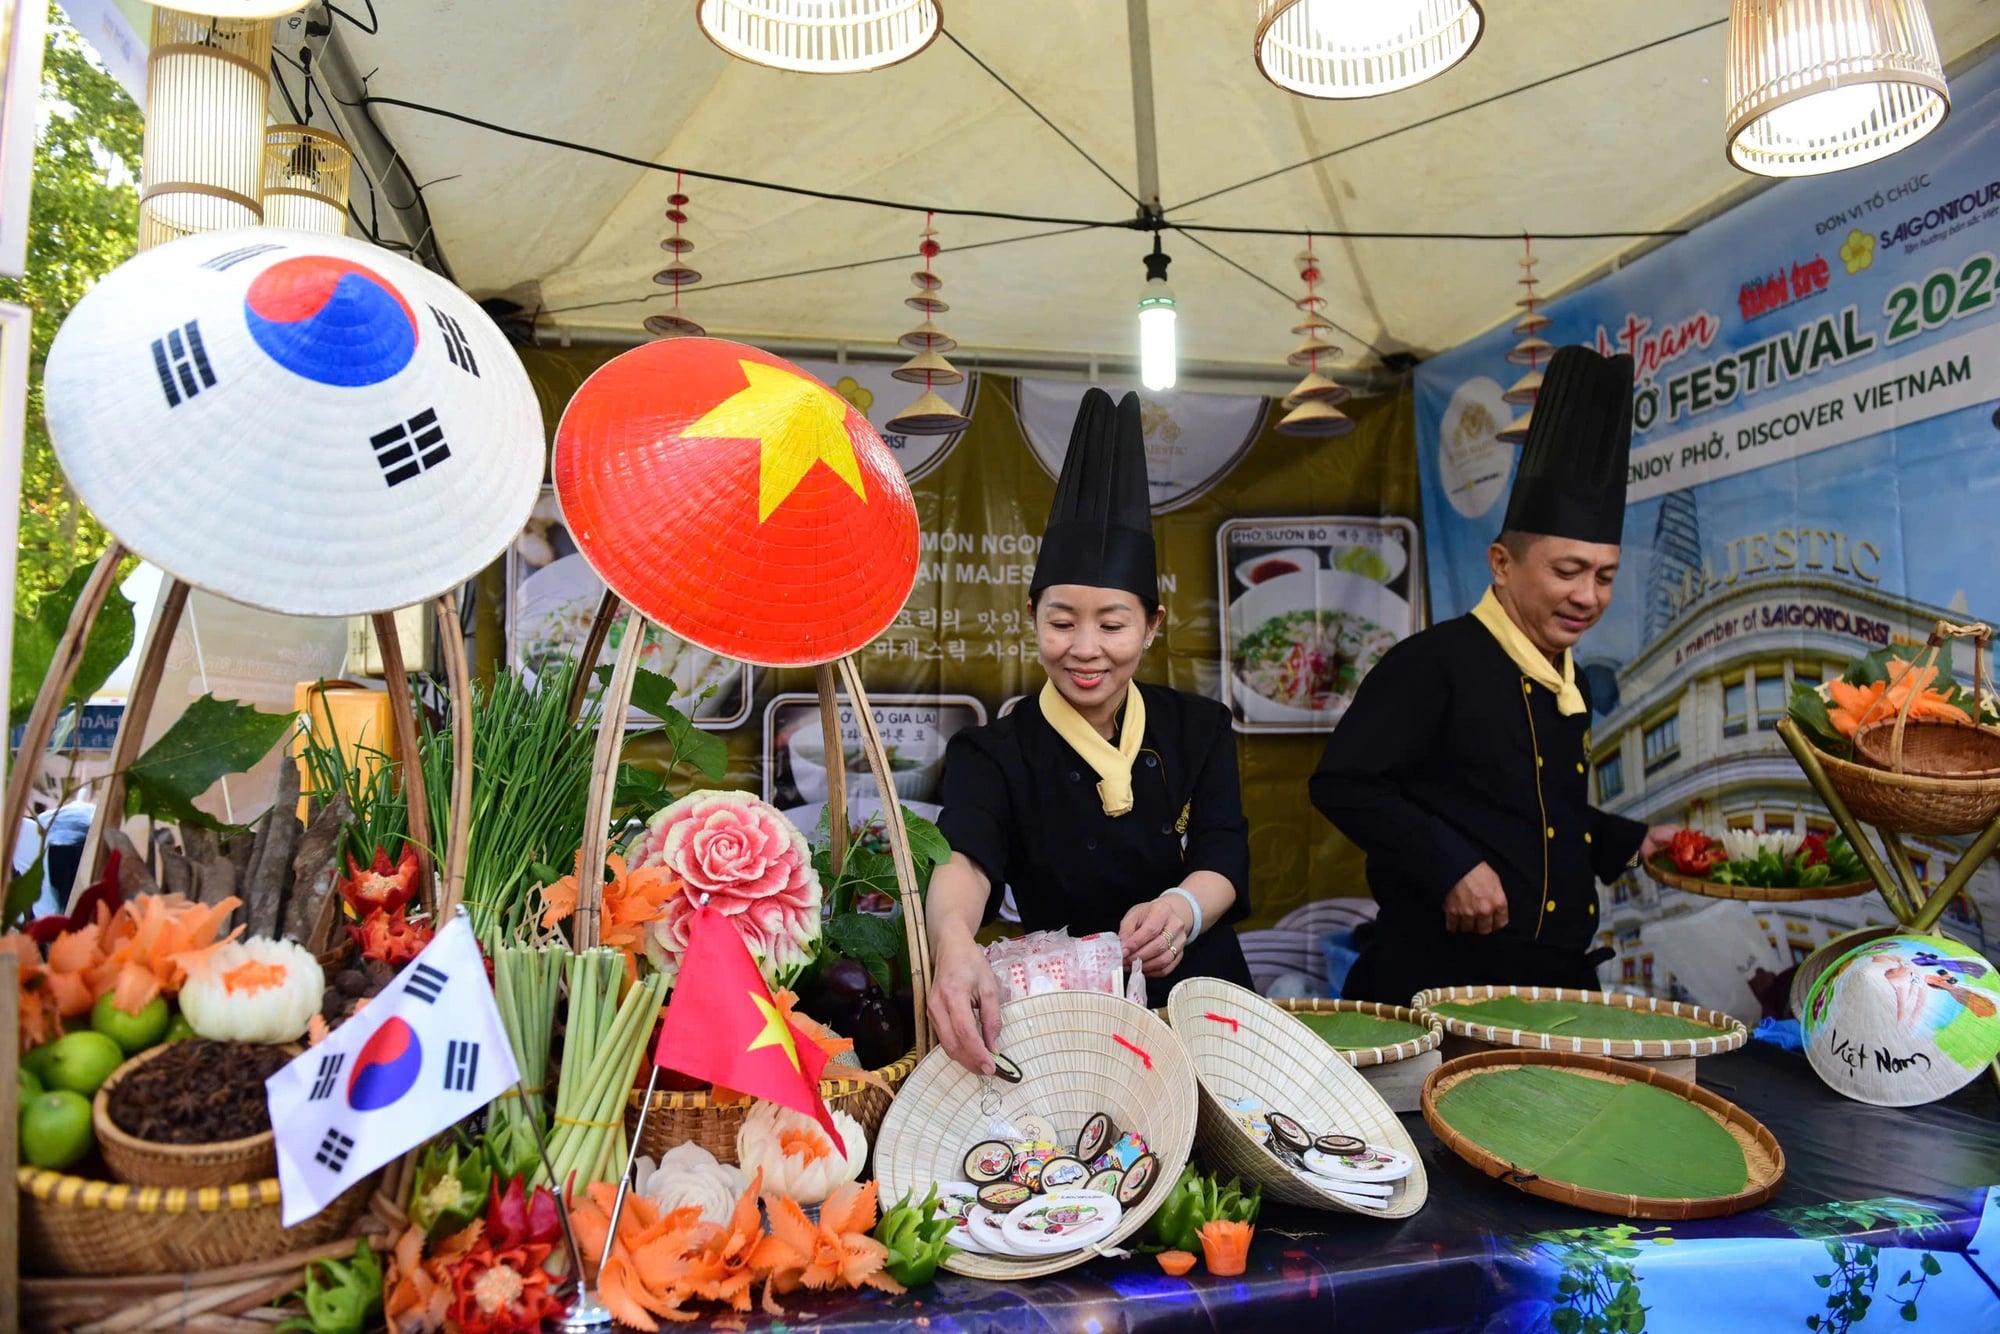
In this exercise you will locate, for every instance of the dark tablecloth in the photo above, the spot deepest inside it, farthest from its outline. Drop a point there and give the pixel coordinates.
(1883, 1210)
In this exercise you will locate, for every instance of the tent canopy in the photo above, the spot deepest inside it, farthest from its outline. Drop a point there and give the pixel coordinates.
(1629, 145)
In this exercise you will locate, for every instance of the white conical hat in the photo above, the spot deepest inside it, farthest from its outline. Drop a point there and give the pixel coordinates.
(1903, 1020)
(303, 423)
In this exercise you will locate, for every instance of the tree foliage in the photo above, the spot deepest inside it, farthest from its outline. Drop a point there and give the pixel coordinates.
(83, 222)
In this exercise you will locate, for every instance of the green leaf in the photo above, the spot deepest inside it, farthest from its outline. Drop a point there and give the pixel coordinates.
(1809, 711)
(36, 637)
(1910, 1311)
(702, 751)
(1566, 1321)
(1930, 1265)
(212, 739)
(22, 891)
(639, 790)
(873, 942)
(868, 872)
(1824, 1280)
(928, 847)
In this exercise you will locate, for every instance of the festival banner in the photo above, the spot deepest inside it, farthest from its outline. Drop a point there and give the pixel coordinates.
(1813, 476)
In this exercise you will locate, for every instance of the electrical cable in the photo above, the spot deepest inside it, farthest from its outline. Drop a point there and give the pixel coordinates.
(1446, 115)
(825, 268)
(994, 74)
(1290, 299)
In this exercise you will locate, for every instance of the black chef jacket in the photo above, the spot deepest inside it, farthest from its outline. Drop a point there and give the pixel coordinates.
(1023, 804)
(1447, 757)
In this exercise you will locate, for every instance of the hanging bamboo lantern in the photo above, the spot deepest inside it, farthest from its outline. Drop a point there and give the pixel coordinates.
(821, 36)
(1823, 85)
(1313, 400)
(207, 82)
(306, 178)
(1362, 48)
(678, 274)
(1531, 351)
(930, 414)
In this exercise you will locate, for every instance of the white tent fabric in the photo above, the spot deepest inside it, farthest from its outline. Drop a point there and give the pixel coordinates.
(1634, 144)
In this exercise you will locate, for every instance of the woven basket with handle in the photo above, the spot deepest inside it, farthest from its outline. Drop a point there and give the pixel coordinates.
(675, 1118)
(1924, 775)
(1080, 1052)
(1244, 1046)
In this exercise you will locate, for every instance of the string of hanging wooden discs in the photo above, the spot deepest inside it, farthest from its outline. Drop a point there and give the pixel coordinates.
(677, 274)
(1313, 401)
(930, 414)
(1529, 351)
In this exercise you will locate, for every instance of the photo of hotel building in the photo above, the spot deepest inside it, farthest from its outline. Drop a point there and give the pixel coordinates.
(1689, 735)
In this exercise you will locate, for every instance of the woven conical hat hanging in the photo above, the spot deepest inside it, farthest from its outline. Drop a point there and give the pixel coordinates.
(735, 500)
(1903, 1020)
(930, 414)
(1313, 414)
(300, 422)
(1531, 351)
(678, 276)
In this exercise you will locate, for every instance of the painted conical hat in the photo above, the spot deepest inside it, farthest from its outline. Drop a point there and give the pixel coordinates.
(737, 501)
(1903, 1020)
(303, 423)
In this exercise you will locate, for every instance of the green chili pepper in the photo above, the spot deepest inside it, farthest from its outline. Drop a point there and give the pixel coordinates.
(917, 1238)
(340, 1296)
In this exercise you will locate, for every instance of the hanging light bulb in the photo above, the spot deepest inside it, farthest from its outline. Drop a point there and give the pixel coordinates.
(1823, 85)
(1157, 358)
(1362, 48)
(821, 36)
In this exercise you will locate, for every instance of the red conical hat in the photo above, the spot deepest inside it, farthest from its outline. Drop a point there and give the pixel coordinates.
(737, 501)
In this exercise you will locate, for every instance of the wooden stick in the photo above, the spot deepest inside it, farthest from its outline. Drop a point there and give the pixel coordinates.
(1857, 836)
(132, 728)
(403, 710)
(603, 781)
(899, 852)
(57, 1289)
(10, 1086)
(836, 764)
(451, 642)
(593, 644)
(184, 1303)
(48, 703)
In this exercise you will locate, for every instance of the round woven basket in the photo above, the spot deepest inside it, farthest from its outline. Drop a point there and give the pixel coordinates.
(1931, 748)
(141, 1162)
(683, 1118)
(1909, 804)
(1366, 1056)
(1762, 1154)
(1662, 875)
(1080, 1053)
(1729, 1033)
(1244, 1046)
(74, 1226)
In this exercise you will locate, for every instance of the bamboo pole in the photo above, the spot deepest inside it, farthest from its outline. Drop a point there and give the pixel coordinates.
(10, 1147)
(48, 703)
(836, 765)
(458, 845)
(593, 644)
(899, 852)
(603, 781)
(1885, 880)
(132, 729)
(403, 710)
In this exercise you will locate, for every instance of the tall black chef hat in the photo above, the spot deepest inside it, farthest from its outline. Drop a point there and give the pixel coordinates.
(1571, 482)
(1100, 529)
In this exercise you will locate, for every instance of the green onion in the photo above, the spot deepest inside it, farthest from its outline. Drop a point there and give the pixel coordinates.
(604, 1044)
(370, 780)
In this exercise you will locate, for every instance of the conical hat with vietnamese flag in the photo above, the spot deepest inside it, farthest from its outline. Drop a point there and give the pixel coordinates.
(735, 500)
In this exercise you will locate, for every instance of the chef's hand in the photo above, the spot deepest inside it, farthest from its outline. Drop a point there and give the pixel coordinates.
(1154, 933)
(965, 1006)
(1476, 903)
(1659, 837)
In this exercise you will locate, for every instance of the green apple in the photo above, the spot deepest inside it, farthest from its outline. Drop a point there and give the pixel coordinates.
(31, 1086)
(81, 1062)
(36, 1060)
(132, 1032)
(55, 1129)
(179, 1030)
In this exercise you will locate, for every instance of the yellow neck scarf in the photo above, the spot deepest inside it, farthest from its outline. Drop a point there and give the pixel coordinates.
(1533, 665)
(1112, 763)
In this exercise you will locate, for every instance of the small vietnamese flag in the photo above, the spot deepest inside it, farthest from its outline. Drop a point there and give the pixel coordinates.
(723, 1026)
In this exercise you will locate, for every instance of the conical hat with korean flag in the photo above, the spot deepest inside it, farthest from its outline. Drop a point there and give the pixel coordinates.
(302, 423)
(732, 498)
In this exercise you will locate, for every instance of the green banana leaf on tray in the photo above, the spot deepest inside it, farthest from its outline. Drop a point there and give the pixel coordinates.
(1575, 1019)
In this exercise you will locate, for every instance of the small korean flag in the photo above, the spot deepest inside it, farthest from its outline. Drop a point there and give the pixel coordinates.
(425, 1053)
